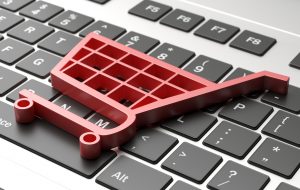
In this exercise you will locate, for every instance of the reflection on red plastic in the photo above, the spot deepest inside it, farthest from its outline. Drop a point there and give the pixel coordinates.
(131, 88)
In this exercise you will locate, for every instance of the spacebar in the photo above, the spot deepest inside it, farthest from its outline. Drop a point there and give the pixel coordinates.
(49, 142)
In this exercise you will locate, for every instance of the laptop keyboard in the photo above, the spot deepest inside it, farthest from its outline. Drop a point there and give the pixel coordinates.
(54, 31)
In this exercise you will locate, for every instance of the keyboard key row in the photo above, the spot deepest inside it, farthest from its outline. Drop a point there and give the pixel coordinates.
(217, 31)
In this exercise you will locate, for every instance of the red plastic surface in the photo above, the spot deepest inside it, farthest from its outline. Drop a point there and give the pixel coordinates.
(134, 89)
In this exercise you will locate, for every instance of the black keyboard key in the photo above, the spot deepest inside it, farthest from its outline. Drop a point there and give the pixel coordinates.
(30, 32)
(192, 126)
(39, 63)
(285, 186)
(100, 1)
(150, 145)
(138, 41)
(12, 51)
(296, 62)
(105, 29)
(217, 31)
(284, 126)
(127, 174)
(239, 72)
(150, 10)
(50, 142)
(234, 176)
(182, 20)
(34, 86)
(102, 121)
(71, 21)
(277, 157)
(9, 80)
(14, 5)
(59, 43)
(41, 11)
(72, 106)
(8, 20)
(289, 102)
(192, 162)
(180, 185)
(246, 112)
(208, 68)
(232, 139)
(174, 55)
(254, 43)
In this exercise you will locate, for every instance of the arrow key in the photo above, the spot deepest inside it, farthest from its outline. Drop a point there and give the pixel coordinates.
(192, 162)
(150, 145)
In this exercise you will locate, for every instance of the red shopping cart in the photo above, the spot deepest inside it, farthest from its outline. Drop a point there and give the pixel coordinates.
(131, 88)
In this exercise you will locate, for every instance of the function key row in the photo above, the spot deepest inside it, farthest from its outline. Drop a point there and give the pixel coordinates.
(217, 31)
